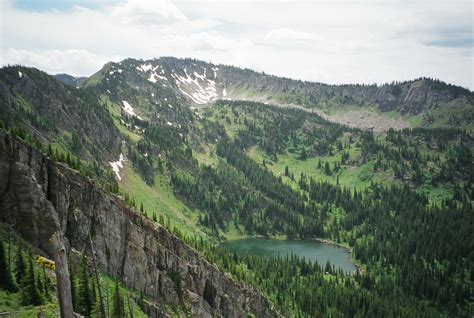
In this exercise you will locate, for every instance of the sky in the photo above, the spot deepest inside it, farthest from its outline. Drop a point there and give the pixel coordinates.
(330, 41)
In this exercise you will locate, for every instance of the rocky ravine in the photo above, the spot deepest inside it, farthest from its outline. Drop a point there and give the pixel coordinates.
(38, 197)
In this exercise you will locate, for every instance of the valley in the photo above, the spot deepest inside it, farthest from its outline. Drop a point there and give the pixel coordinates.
(168, 160)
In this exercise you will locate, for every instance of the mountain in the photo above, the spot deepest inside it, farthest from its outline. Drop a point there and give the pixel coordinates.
(156, 162)
(69, 79)
(421, 102)
(57, 114)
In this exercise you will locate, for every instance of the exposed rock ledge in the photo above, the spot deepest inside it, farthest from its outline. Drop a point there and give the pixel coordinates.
(38, 197)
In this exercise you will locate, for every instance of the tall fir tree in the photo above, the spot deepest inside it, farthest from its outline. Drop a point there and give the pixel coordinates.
(118, 304)
(84, 295)
(29, 291)
(6, 278)
(72, 278)
(20, 269)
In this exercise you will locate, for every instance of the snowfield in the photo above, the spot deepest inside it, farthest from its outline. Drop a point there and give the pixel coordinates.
(117, 165)
(197, 87)
(129, 109)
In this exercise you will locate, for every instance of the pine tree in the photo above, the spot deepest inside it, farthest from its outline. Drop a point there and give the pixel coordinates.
(20, 266)
(6, 278)
(84, 296)
(72, 278)
(118, 304)
(303, 155)
(29, 291)
(327, 169)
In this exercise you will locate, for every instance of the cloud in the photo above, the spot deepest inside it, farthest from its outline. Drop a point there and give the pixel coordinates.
(362, 41)
(77, 62)
(461, 41)
(288, 37)
(148, 12)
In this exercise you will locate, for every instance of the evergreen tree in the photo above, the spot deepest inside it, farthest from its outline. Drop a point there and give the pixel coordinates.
(118, 303)
(303, 155)
(29, 291)
(6, 279)
(72, 278)
(20, 266)
(84, 295)
(327, 168)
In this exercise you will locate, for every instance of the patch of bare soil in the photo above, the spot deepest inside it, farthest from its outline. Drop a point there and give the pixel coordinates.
(366, 120)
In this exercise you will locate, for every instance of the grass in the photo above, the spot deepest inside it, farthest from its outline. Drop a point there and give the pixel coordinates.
(10, 306)
(114, 110)
(234, 232)
(358, 177)
(160, 198)
(436, 195)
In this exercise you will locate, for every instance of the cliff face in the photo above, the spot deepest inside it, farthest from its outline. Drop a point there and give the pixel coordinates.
(38, 197)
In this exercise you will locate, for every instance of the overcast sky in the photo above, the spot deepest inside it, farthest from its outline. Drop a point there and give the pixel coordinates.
(351, 41)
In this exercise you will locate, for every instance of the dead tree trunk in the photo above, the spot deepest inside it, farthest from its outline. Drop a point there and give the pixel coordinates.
(62, 275)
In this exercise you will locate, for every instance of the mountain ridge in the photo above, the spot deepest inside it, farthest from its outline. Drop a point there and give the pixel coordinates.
(202, 83)
(70, 79)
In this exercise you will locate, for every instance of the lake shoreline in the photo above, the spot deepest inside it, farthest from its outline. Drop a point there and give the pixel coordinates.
(356, 267)
(357, 264)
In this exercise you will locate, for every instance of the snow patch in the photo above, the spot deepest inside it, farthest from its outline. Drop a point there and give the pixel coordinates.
(117, 165)
(199, 89)
(215, 69)
(129, 109)
(20, 74)
(114, 71)
(144, 67)
(154, 77)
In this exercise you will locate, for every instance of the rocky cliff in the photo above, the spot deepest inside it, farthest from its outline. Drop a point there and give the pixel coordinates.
(39, 197)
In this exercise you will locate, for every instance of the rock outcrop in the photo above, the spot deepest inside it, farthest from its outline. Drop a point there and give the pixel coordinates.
(39, 197)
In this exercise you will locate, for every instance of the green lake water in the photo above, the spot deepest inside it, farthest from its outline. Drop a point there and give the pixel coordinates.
(311, 250)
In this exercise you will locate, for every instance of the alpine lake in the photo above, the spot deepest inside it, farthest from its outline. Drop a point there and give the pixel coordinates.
(311, 250)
